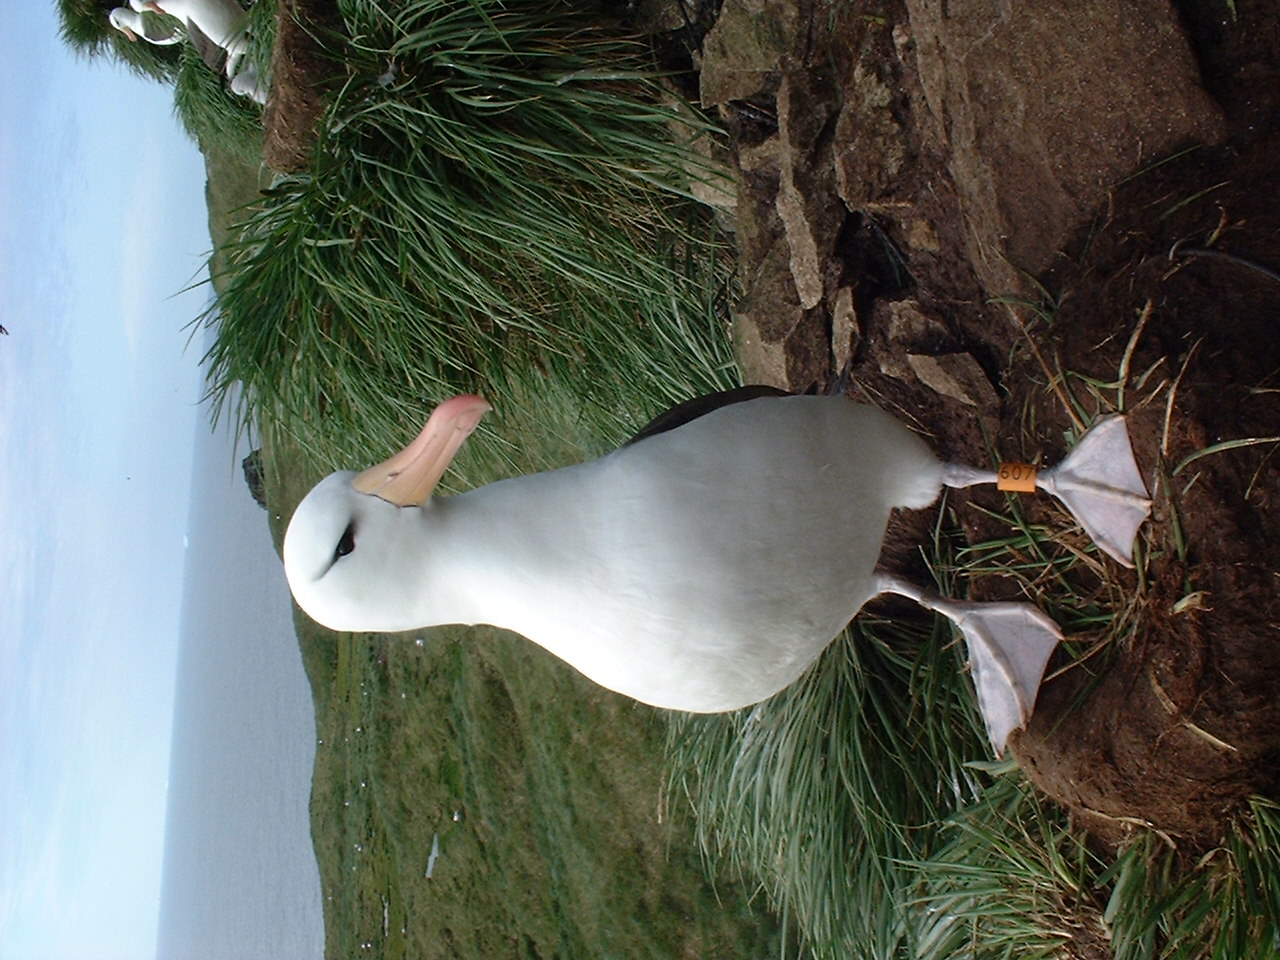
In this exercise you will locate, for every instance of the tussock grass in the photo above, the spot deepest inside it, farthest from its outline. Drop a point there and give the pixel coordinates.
(1013, 880)
(1009, 879)
(827, 791)
(212, 115)
(497, 203)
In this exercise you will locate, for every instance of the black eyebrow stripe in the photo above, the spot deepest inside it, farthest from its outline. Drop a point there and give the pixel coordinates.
(335, 557)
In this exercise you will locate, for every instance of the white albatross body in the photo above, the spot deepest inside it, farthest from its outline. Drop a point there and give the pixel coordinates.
(223, 21)
(224, 24)
(701, 568)
(135, 26)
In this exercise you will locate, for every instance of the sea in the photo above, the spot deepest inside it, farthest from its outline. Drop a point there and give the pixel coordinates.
(240, 880)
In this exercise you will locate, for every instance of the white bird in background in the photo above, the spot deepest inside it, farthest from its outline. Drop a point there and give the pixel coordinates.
(225, 24)
(135, 26)
(702, 567)
(247, 82)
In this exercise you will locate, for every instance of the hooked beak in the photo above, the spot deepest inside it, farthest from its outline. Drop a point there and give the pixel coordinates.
(130, 34)
(408, 478)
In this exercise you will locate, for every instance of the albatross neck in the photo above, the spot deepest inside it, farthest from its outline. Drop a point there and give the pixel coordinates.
(498, 554)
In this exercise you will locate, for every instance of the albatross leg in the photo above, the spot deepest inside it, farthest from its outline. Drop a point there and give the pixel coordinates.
(1098, 483)
(1009, 646)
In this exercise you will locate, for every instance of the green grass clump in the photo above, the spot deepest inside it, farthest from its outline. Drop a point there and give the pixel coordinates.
(1014, 880)
(827, 790)
(86, 29)
(496, 203)
(212, 115)
(1007, 879)
(1223, 906)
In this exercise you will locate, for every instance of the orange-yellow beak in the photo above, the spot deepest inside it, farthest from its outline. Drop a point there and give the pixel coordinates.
(408, 478)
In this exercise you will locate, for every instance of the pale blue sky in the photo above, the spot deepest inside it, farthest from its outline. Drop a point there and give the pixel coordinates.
(102, 223)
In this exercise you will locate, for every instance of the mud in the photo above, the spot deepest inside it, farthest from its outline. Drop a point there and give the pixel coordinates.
(1185, 721)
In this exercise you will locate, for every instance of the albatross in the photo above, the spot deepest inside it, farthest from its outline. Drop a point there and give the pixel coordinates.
(224, 22)
(215, 26)
(135, 26)
(702, 566)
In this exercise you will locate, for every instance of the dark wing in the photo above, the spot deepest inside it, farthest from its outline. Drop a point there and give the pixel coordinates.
(691, 410)
(211, 53)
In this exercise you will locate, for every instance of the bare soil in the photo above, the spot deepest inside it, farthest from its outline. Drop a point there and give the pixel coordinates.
(1186, 721)
(301, 73)
(961, 201)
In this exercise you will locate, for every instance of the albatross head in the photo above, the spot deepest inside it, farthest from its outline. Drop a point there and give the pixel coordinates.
(349, 554)
(124, 20)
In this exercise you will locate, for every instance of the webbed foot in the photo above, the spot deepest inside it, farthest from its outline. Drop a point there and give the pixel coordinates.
(1100, 484)
(1009, 646)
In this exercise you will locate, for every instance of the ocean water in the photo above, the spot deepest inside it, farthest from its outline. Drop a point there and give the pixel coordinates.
(240, 880)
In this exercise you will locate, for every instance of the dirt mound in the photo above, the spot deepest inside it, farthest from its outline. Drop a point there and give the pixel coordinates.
(301, 72)
(1186, 721)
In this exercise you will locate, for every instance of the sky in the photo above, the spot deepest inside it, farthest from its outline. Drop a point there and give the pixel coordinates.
(102, 225)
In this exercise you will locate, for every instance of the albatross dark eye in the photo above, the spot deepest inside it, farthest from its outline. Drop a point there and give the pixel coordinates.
(347, 543)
